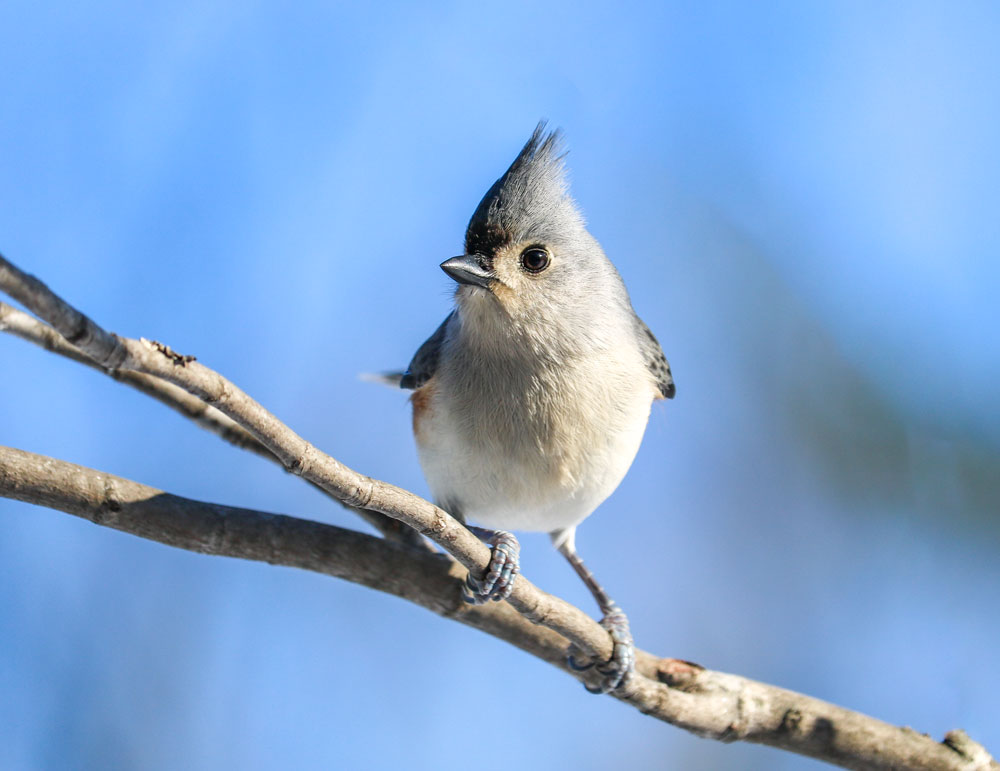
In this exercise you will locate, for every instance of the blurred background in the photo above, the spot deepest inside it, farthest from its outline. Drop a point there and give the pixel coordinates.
(803, 202)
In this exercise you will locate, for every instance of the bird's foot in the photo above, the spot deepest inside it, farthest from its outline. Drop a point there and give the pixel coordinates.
(505, 563)
(617, 671)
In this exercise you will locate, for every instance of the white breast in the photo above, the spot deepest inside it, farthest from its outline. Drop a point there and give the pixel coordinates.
(516, 447)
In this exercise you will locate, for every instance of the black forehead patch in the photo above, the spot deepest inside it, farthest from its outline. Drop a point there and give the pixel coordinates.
(530, 192)
(486, 238)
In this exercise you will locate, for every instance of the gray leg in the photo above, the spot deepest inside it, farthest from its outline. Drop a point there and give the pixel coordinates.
(618, 670)
(505, 563)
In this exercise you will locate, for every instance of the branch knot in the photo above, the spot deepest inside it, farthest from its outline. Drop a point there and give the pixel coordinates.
(177, 359)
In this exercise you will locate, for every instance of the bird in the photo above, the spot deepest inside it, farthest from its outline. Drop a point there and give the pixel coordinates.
(531, 398)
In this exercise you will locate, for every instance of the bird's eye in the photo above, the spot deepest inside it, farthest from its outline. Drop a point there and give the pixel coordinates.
(534, 259)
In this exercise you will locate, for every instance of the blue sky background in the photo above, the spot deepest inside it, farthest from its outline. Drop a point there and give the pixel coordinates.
(803, 201)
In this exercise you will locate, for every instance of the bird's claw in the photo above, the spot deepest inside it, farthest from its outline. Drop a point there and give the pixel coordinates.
(498, 581)
(616, 671)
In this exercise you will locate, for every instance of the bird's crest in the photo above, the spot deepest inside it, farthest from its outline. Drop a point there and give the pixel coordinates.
(531, 196)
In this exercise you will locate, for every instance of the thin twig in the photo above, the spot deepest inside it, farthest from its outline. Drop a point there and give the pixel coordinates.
(208, 417)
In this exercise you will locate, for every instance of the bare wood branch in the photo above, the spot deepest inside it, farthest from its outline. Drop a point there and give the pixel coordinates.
(711, 704)
(208, 417)
(295, 453)
(430, 579)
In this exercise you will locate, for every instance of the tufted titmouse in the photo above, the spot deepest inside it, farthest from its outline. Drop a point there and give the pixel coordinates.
(531, 398)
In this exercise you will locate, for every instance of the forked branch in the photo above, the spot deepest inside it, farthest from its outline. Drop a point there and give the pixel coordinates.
(710, 704)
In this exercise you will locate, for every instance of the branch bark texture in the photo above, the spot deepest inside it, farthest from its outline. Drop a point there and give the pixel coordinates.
(710, 704)
(208, 417)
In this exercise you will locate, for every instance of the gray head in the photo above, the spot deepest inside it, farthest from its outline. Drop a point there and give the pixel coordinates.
(529, 261)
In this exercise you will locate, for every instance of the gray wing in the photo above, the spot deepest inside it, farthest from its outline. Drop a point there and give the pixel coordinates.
(656, 361)
(425, 360)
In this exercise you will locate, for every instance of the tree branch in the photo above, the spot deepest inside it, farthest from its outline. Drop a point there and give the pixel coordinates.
(295, 453)
(429, 579)
(208, 417)
(710, 704)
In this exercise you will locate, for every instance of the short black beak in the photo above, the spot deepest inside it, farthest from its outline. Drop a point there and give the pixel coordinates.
(468, 269)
